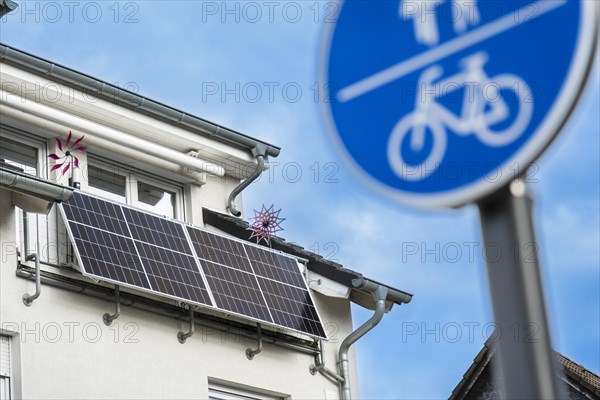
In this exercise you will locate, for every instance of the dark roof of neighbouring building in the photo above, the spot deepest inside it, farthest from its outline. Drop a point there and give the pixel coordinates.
(477, 381)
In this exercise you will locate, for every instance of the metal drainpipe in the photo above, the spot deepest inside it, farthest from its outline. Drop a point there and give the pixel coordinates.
(260, 153)
(28, 299)
(251, 353)
(379, 295)
(182, 337)
(107, 318)
(319, 366)
(26, 232)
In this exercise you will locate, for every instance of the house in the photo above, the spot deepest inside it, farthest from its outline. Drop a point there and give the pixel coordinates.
(577, 382)
(127, 270)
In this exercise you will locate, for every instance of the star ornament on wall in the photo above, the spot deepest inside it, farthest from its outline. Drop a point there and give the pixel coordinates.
(66, 154)
(266, 223)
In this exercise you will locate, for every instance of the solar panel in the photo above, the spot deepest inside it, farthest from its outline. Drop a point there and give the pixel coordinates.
(167, 256)
(220, 250)
(135, 248)
(251, 270)
(275, 266)
(236, 291)
(285, 291)
(101, 239)
(292, 307)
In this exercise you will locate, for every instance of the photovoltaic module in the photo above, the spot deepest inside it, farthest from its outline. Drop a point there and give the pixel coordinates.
(130, 247)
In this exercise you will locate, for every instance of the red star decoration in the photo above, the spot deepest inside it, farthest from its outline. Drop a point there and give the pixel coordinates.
(266, 223)
(67, 156)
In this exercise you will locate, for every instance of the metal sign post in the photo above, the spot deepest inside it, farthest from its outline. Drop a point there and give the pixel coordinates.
(522, 333)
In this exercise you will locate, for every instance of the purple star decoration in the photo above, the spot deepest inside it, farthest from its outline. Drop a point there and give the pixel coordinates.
(266, 223)
(67, 157)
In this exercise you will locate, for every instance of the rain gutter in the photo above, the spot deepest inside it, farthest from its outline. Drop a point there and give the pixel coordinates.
(33, 186)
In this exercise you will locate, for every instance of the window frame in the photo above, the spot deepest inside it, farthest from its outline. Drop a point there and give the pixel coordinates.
(132, 177)
(27, 139)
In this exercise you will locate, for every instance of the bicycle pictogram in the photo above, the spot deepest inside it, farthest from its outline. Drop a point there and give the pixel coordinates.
(483, 107)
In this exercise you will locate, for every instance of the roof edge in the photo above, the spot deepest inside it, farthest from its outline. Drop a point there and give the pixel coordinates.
(130, 100)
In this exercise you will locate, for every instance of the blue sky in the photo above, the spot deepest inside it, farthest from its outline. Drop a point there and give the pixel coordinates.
(185, 53)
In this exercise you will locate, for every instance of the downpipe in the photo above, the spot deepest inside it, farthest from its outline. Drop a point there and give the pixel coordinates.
(181, 336)
(108, 318)
(319, 366)
(27, 298)
(379, 294)
(261, 158)
(250, 353)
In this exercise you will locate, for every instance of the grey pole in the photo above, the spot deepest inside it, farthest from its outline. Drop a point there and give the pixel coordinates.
(526, 361)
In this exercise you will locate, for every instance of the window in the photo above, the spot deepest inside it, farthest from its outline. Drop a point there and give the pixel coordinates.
(106, 184)
(5, 367)
(27, 152)
(221, 392)
(19, 155)
(24, 158)
(154, 199)
(129, 185)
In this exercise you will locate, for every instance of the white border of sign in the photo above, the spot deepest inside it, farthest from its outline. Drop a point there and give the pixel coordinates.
(555, 119)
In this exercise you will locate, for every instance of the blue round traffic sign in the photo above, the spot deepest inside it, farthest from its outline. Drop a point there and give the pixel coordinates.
(441, 102)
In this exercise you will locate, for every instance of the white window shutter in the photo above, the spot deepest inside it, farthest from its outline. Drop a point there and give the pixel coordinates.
(4, 368)
(4, 356)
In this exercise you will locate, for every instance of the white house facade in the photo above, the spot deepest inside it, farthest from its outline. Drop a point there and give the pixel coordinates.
(68, 333)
